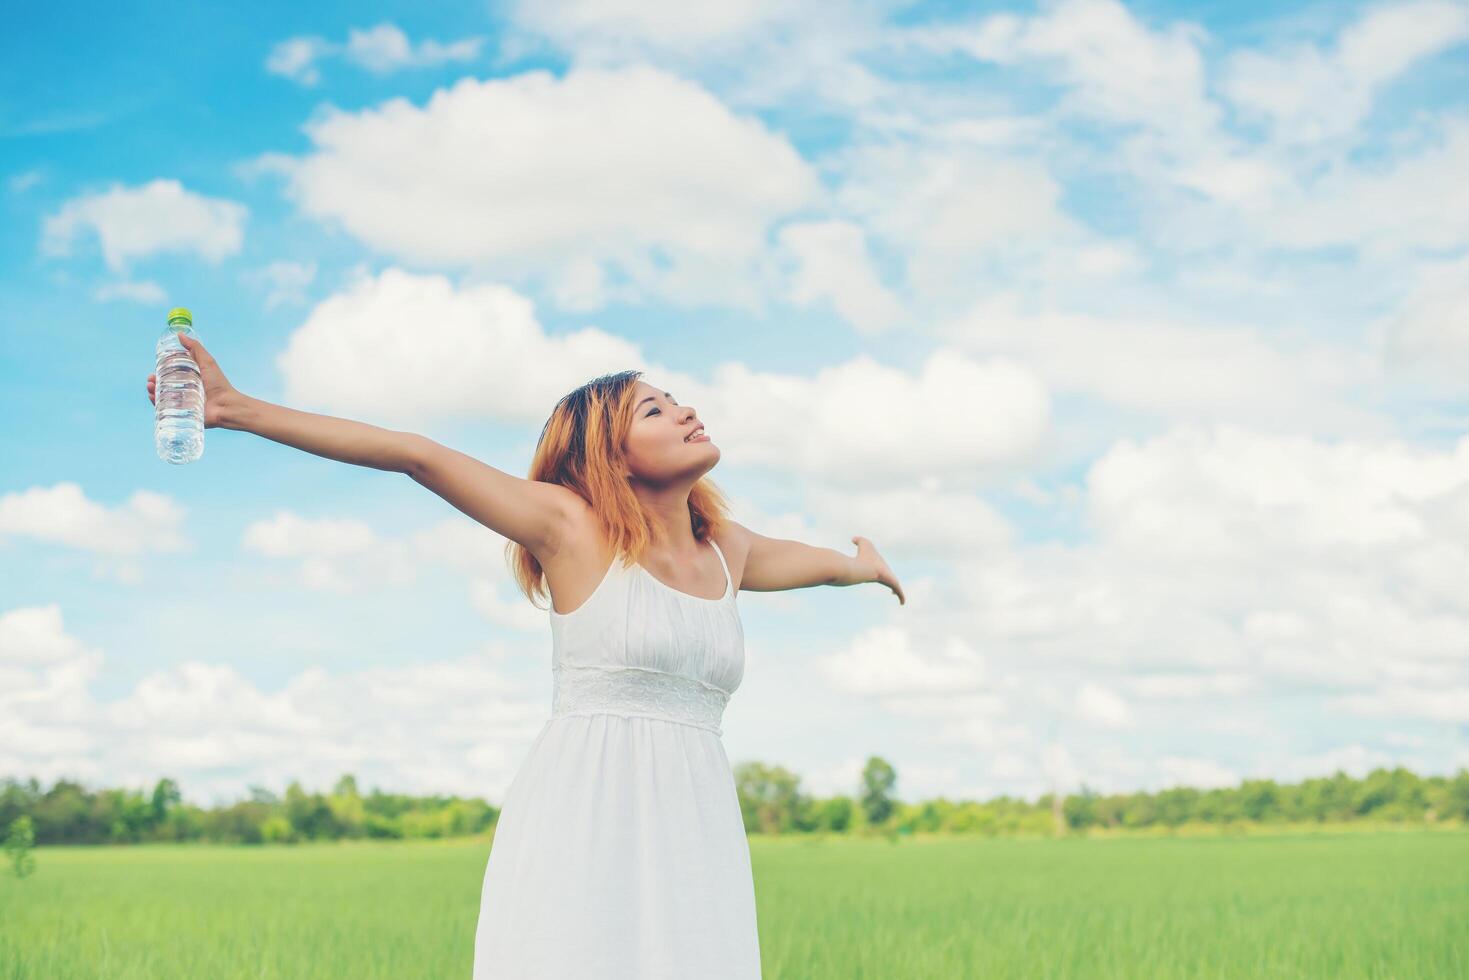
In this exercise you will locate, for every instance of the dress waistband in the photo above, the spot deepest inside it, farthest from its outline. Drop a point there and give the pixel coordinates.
(618, 689)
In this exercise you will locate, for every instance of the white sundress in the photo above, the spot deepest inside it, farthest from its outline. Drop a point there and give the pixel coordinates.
(620, 852)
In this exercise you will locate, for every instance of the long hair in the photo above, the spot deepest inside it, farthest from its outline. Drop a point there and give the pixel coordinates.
(581, 448)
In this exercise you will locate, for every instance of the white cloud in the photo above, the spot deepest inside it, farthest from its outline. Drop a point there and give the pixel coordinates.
(19, 183)
(1198, 773)
(1428, 335)
(655, 23)
(484, 355)
(1115, 67)
(1182, 686)
(381, 49)
(137, 222)
(295, 58)
(146, 291)
(921, 522)
(1176, 370)
(1102, 707)
(454, 725)
(954, 214)
(1429, 703)
(119, 537)
(1266, 562)
(844, 778)
(885, 662)
(286, 535)
(1356, 760)
(833, 265)
(1418, 201)
(284, 281)
(1306, 95)
(346, 556)
(1060, 768)
(604, 185)
(1231, 495)
(877, 427)
(1118, 68)
(385, 48)
(408, 348)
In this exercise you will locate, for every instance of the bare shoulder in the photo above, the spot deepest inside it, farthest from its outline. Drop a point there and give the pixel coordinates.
(734, 540)
(580, 529)
(578, 556)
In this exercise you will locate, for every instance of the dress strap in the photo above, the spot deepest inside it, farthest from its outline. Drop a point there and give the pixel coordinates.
(728, 579)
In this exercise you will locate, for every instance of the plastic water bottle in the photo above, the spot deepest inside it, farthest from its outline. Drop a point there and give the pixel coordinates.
(178, 394)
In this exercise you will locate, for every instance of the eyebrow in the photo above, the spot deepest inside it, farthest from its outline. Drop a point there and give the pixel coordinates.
(650, 398)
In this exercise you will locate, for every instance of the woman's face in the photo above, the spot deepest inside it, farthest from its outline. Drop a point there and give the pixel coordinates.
(657, 447)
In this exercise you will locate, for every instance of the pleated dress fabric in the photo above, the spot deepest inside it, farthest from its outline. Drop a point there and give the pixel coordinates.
(620, 852)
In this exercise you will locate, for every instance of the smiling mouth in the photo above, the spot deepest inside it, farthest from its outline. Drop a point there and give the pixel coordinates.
(697, 435)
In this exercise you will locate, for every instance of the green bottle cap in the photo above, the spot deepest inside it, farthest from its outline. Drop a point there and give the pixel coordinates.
(179, 313)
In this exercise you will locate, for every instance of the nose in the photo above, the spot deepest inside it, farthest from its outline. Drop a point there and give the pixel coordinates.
(691, 413)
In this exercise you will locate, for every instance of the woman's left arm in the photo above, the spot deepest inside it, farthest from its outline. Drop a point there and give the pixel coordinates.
(777, 564)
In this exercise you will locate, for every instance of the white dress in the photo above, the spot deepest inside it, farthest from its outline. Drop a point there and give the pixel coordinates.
(620, 852)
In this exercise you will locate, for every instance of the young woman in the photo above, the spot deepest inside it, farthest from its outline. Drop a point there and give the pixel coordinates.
(620, 850)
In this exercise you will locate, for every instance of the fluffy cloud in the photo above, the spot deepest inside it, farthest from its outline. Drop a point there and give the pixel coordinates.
(876, 427)
(284, 281)
(882, 662)
(146, 291)
(408, 348)
(1175, 370)
(1117, 68)
(961, 218)
(477, 351)
(346, 556)
(655, 23)
(381, 49)
(918, 522)
(1307, 95)
(1269, 561)
(1102, 707)
(445, 726)
(604, 185)
(1428, 335)
(137, 222)
(117, 536)
(1234, 587)
(833, 264)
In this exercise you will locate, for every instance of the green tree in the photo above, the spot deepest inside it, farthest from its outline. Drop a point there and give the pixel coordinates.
(834, 814)
(878, 780)
(18, 844)
(165, 797)
(770, 797)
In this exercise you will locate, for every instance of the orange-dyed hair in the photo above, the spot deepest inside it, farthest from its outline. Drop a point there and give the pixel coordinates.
(580, 448)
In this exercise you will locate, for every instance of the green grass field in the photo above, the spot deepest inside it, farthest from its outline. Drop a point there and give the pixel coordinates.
(1338, 905)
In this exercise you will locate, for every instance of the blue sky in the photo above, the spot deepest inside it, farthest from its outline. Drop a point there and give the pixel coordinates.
(1133, 336)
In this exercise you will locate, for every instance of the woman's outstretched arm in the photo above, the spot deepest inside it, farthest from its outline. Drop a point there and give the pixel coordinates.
(344, 440)
(533, 513)
(778, 564)
(226, 407)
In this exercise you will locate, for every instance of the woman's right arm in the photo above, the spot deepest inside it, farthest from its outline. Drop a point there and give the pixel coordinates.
(323, 435)
(536, 514)
(530, 512)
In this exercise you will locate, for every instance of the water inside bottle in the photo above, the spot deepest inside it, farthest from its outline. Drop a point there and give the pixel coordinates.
(178, 430)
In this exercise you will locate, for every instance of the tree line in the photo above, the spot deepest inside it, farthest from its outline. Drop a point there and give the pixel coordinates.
(771, 802)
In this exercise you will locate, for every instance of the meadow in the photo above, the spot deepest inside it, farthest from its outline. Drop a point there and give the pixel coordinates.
(1391, 904)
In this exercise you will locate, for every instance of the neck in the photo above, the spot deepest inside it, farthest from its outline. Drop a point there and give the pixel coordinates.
(669, 519)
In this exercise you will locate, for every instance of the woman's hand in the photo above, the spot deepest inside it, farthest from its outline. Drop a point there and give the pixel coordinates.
(871, 567)
(218, 392)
